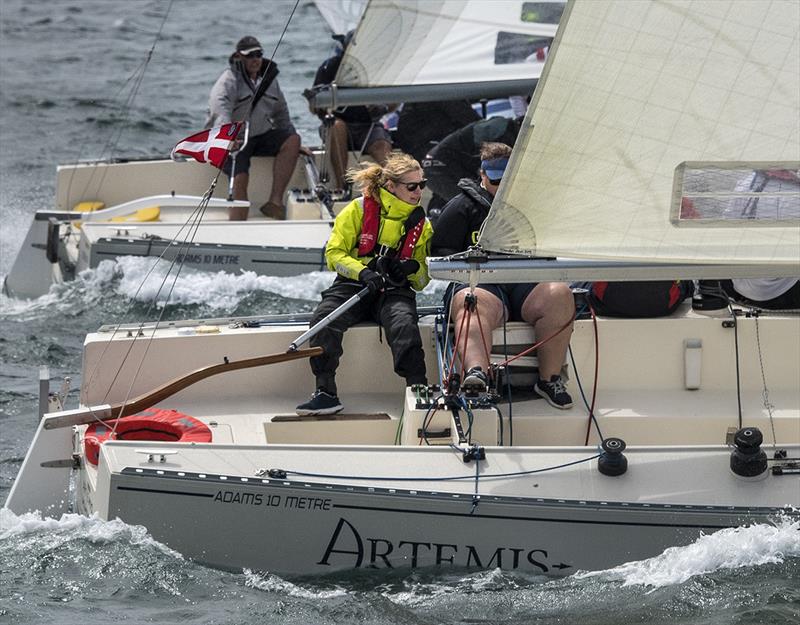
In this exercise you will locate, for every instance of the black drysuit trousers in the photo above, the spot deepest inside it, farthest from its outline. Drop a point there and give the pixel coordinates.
(394, 309)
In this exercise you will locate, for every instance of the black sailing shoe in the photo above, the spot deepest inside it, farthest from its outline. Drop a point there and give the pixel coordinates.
(554, 391)
(474, 382)
(321, 402)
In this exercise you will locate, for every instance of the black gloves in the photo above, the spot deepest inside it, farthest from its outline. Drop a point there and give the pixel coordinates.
(396, 270)
(374, 281)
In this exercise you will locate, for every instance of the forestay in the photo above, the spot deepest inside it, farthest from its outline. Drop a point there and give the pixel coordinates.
(653, 125)
(440, 49)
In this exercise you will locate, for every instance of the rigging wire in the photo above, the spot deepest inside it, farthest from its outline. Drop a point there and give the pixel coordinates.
(193, 222)
(111, 143)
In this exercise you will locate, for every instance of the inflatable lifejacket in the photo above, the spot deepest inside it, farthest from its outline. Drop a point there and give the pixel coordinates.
(156, 424)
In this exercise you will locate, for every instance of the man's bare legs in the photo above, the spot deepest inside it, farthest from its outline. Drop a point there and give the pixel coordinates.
(282, 170)
(547, 308)
(379, 150)
(239, 213)
(338, 151)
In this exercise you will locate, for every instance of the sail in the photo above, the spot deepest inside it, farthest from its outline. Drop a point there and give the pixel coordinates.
(341, 15)
(661, 131)
(405, 50)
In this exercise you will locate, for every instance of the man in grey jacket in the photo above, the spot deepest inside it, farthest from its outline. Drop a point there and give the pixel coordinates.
(271, 129)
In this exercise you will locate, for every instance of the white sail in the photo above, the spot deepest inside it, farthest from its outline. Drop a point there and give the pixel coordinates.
(445, 47)
(648, 130)
(341, 15)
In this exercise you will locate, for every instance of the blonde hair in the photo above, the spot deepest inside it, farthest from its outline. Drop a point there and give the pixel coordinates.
(370, 178)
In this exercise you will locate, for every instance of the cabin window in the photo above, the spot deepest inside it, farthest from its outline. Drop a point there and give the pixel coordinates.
(718, 194)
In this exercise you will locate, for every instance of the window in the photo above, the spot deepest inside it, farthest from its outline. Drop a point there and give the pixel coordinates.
(756, 194)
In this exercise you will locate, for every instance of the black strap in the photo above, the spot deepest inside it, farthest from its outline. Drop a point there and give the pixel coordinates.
(270, 74)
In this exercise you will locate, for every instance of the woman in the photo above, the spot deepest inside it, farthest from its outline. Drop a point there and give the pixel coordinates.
(379, 241)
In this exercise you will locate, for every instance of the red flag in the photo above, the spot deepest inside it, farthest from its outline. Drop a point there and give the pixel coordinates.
(210, 146)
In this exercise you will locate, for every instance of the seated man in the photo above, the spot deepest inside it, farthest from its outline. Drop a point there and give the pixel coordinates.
(547, 306)
(271, 130)
(353, 127)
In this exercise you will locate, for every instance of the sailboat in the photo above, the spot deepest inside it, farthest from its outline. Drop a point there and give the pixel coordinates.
(150, 207)
(695, 422)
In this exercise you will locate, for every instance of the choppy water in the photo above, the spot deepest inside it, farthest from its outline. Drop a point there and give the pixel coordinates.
(65, 67)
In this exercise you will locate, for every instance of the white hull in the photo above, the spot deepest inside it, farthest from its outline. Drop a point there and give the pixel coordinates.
(62, 243)
(363, 490)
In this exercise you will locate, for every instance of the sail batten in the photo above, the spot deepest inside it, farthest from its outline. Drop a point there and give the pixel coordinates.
(665, 131)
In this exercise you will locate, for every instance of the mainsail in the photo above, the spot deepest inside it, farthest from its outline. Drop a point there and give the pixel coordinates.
(648, 131)
(406, 50)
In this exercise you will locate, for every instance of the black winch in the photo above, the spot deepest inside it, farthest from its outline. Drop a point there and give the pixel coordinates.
(747, 457)
(612, 461)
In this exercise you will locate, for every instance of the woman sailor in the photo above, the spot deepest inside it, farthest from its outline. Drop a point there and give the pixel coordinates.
(379, 241)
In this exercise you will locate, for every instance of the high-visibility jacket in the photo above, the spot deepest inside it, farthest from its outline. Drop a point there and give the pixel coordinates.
(341, 252)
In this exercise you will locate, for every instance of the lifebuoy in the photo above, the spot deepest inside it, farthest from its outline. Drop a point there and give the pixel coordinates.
(156, 424)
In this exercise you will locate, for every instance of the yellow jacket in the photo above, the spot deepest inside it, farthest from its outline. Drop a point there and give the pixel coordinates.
(341, 252)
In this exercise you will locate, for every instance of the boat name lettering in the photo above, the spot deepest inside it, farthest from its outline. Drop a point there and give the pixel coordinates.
(307, 503)
(209, 259)
(347, 542)
(253, 499)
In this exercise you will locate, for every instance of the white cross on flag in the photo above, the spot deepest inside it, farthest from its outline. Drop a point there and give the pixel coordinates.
(210, 146)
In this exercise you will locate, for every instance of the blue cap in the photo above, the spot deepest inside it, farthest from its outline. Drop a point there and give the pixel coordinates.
(494, 168)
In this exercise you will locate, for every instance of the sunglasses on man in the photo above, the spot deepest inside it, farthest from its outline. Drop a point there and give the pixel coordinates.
(255, 54)
(412, 186)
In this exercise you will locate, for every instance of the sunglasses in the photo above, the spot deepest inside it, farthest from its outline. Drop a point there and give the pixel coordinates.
(255, 54)
(412, 186)
(495, 182)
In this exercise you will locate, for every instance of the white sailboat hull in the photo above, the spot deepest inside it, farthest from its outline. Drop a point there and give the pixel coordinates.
(385, 483)
(555, 524)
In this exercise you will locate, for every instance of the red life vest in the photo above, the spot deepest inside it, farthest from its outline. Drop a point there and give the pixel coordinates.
(371, 221)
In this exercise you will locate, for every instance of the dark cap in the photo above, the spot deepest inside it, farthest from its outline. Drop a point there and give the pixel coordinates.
(248, 44)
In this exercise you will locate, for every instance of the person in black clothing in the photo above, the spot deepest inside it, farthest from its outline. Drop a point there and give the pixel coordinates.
(352, 127)
(421, 125)
(547, 306)
(456, 156)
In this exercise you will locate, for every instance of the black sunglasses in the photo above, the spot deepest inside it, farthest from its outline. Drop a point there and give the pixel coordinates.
(495, 182)
(412, 186)
(255, 54)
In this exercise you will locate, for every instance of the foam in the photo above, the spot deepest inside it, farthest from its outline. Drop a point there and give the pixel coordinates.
(727, 549)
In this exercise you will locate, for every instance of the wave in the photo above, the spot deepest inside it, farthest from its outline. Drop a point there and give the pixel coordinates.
(725, 550)
(150, 281)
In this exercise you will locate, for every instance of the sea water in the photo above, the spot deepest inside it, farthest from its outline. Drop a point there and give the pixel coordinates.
(67, 67)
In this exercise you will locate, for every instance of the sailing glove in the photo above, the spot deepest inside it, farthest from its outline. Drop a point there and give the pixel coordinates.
(373, 281)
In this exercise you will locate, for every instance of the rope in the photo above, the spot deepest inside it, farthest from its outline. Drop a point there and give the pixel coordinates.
(765, 393)
(111, 144)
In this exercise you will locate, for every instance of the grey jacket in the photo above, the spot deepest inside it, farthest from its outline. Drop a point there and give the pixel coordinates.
(232, 94)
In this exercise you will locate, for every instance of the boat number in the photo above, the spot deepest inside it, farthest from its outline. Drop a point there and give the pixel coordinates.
(276, 501)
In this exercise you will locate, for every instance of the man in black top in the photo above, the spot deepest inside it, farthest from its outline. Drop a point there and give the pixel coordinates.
(353, 127)
(548, 306)
(456, 156)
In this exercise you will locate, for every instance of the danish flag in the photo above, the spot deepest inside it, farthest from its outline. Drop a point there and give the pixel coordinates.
(210, 146)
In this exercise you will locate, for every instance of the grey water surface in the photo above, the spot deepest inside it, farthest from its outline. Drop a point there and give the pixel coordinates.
(69, 71)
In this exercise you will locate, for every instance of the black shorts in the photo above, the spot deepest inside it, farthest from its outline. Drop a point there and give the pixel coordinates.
(513, 296)
(267, 144)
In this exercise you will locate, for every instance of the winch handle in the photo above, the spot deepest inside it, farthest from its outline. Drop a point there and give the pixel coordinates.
(322, 323)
